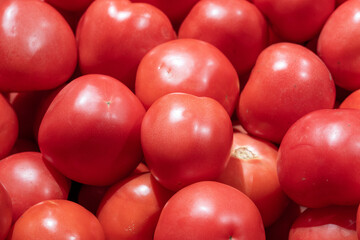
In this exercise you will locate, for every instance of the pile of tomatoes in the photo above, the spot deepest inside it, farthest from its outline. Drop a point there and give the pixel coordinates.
(167, 119)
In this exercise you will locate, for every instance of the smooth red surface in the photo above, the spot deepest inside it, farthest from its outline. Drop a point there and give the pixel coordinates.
(209, 210)
(131, 208)
(186, 139)
(57, 220)
(9, 127)
(114, 35)
(318, 163)
(6, 212)
(29, 180)
(237, 28)
(352, 100)
(190, 66)
(91, 130)
(287, 82)
(37, 46)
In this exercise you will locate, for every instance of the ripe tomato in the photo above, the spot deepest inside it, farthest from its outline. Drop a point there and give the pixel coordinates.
(114, 35)
(131, 208)
(352, 101)
(252, 170)
(29, 180)
(287, 82)
(237, 28)
(6, 212)
(340, 54)
(186, 139)
(330, 223)
(38, 50)
(9, 127)
(209, 210)
(91, 130)
(189, 66)
(296, 20)
(57, 220)
(318, 162)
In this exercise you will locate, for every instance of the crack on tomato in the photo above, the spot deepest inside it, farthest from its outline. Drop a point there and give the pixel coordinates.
(243, 153)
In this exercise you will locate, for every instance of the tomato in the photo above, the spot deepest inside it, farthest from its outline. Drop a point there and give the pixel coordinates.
(252, 170)
(186, 139)
(237, 28)
(37, 46)
(189, 66)
(6, 212)
(296, 20)
(352, 101)
(209, 210)
(340, 54)
(91, 130)
(57, 220)
(287, 82)
(114, 35)
(70, 5)
(131, 208)
(330, 223)
(318, 161)
(29, 180)
(9, 127)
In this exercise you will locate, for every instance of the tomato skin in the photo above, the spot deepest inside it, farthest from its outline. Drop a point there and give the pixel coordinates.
(213, 211)
(38, 46)
(190, 66)
(340, 54)
(29, 180)
(287, 82)
(107, 153)
(252, 170)
(6, 212)
(330, 223)
(296, 20)
(57, 220)
(195, 135)
(113, 36)
(131, 208)
(352, 100)
(318, 159)
(237, 28)
(9, 127)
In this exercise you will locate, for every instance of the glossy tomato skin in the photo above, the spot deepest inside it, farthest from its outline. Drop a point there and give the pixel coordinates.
(186, 139)
(6, 212)
(297, 20)
(352, 100)
(131, 208)
(190, 66)
(37, 46)
(114, 35)
(213, 211)
(318, 161)
(91, 130)
(29, 180)
(9, 127)
(340, 54)
(287, 82)
(57, 220)
(237, 28)
(252, 170)
(330, 223)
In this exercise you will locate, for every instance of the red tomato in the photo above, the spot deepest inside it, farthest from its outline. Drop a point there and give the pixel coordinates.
(236, 27)
(29, 180)
(338, 46)
(6, 212)
(9, 127)
(287, 82)
(114, 35)
(70, 5)
(57, 220)
(252, 170)
(91, 130)
(176, 10)
(209, 210)
(189, 66)
(330, 223)
(318, 162)
(296, 20)
(37, 46)
(131, 208)
(339, 2)
(186, 139)
(352, 101)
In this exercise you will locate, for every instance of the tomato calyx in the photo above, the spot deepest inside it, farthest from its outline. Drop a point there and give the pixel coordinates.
(244, 153)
